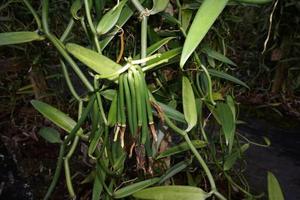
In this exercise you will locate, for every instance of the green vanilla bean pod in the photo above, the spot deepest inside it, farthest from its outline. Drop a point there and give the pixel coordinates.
(138, 98)
(122, 109)
(130, 80)
(142, 92)
(128, 102)
(148, 106)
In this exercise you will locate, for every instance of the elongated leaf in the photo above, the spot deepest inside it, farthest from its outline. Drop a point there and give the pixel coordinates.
(274, 190)
(50, 135)
(231, 159)
(175, 169)
(109, 20)
(189, 104)
(182, 147)
(227, 121)
(204, 19)
(154, 47)
(112, 114)
(166, 56)
(135, 187)
(218, 56)
(76, 6)
(97, 188)
(226, 76)
(56, 116)
(18, 37)
(99, 63)
(172, 192)
(172, 113)
(108, 94)
(125, 15)
(186, 17)
(158, 6)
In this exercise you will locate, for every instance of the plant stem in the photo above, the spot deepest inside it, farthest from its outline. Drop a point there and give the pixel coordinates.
(144, 38)
(36, 17)
(138, 5)
(92, 27)
(56, 173)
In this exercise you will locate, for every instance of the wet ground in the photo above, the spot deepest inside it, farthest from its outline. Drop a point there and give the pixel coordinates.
(282, 158)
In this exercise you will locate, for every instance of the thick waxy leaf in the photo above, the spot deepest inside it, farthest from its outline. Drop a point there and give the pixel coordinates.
(231, 159)
(226, 76)
(158, 6)
(18, 37)
(204, 19)
(110, 19)
(186, 16)
(99, 63)
(189, 104)
(165, 57)
(227, 121)
(274, 190)
(172, 192)
(56, 116)
(181, 148)
(125, 15)
(135, 187)
(154, 47)
(50, 135)
(175, 169)
(218, 56)
(172, 113)
(112, 114)
(76, 6)
(108, 94)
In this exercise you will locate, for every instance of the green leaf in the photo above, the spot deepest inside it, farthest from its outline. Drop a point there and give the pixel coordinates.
(108, 94)
(231, 159)
(135, 187)
(166, 57)
(56, 116)
(274, 190)
(226, 76)
(172, 192)
(227, 121)
(76, 6)
(97, 188)
(158, 6)
(204, 19)
(189, 104)
(186, 17)
(110, 19)
(182, 147)
(172, 113)
(112, 113)
(175, 169)
(218, 56)
(156, 46)
(50, 135)
(99, 63)
(9, 38)
(125, 15)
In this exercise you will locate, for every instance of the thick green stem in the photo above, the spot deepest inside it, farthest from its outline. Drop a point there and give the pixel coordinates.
(138, 5)
(67, 57)
(56, 173)
(144, 38)
(45, 11)
(67, 31)
(91, 24)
